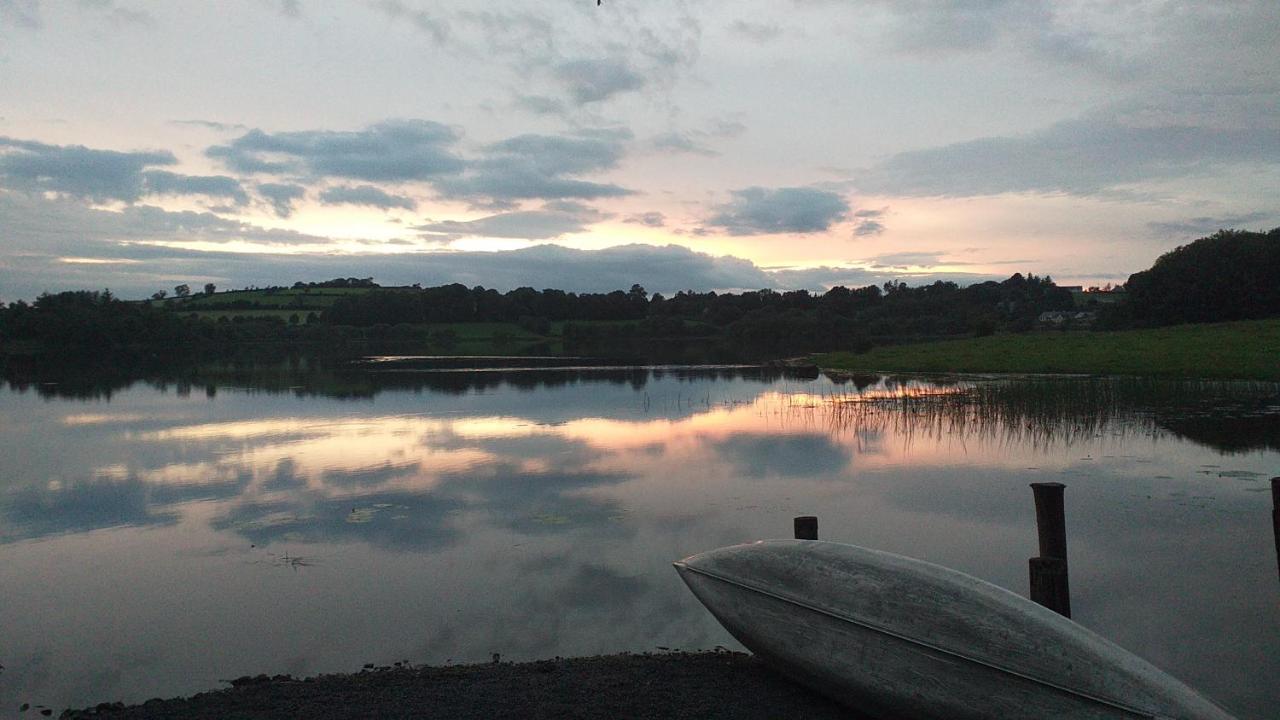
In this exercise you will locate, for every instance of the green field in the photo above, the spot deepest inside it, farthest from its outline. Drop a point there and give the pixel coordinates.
(305, 300)
(1245, 350)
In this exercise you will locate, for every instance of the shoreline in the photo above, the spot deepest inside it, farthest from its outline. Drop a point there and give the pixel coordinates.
(708, 684)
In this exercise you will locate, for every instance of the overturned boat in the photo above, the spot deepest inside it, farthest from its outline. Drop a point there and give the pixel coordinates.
(897, 637)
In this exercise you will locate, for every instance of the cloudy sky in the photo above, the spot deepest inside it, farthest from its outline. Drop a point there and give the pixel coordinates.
(708, 144)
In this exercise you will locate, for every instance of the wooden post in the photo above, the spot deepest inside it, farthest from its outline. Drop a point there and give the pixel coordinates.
(1049, 584)
(1275, 516)
(806, 527)
(1049, 572)
(1051, 523)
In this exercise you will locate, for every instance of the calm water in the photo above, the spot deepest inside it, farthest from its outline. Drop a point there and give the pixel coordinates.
(155, 540)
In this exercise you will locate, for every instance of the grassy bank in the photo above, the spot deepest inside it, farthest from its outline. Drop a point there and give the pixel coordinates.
(1246, 350)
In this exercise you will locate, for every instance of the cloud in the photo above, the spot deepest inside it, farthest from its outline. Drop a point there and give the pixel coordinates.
(648, 219)
(533, 166)
(526, 224)
(868, 227)
(434, 27)
(1038, 29)
(366, 195)
(1081, 157)
(395, 150)
(682, 143)
(291, 8)
(589, 81)
(116, 14)
(756, 32)
(822, 278)
(210, 124)
(162, 182)
(78, 171)
(132, 253)
(1205, 225)
(903, 259)
(764, 211)
(281, 196)
(20, 13)
(540, 104)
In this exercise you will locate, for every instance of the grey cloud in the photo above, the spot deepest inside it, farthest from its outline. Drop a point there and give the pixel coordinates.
(726, 128)
(540, 104)
(394, 150)
(590, 81)
(366, 195)
(866, 228)
(756, 32)
(429, 24)
(291, 8)
(281, 196)
(869, 213)
(210, 124)
(555, 155)
(532, 166)
(77, 170)
(117, 14)
(527, 224)
(1081, 157)
(162, 182)
(1207, 225)
(682, 143)
(520, 183)
(761, 211)
(20, 13)
(1031, 27)
(649, 219)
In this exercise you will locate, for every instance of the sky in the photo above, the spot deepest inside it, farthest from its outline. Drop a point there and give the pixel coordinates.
(704, 145)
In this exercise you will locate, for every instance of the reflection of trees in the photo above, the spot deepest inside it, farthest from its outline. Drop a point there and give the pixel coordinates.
(342, 378)
(1224, 415)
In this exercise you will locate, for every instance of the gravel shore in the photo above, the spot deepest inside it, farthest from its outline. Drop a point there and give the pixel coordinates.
(669, 685)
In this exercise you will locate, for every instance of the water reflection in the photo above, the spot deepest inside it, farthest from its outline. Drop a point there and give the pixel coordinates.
(447, 516)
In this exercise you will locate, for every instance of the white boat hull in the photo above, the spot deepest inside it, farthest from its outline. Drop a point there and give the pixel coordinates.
(896, 637)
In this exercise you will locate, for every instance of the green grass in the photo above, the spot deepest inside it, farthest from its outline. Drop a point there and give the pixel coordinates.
(1245, 350)
(312, 299)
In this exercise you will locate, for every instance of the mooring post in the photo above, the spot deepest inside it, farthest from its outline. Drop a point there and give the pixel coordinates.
(1051, 522)
(806, 527)
(1049, 584)
(1049, 572)
(1275, 516)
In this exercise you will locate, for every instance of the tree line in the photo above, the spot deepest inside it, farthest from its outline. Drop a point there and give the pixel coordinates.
(1230, 275)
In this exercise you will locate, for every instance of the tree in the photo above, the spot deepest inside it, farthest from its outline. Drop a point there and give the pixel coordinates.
(182, 290)
(209, 288)
(158, 295)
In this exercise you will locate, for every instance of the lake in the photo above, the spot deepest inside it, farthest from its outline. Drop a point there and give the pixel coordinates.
(159, 537)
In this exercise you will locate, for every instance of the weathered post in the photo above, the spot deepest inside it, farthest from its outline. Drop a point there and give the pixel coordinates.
(806, 527)
(1051, 523)
(1049, 572)
(1049, 584)
(1275, 516)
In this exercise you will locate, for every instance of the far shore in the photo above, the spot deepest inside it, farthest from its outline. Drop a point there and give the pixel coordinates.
(714, 684)
(1246, 350)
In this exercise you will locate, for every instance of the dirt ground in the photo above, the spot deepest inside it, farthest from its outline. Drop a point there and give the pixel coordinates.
(669, 685)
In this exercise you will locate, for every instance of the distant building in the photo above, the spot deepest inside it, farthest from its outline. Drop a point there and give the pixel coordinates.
(1062, 319)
